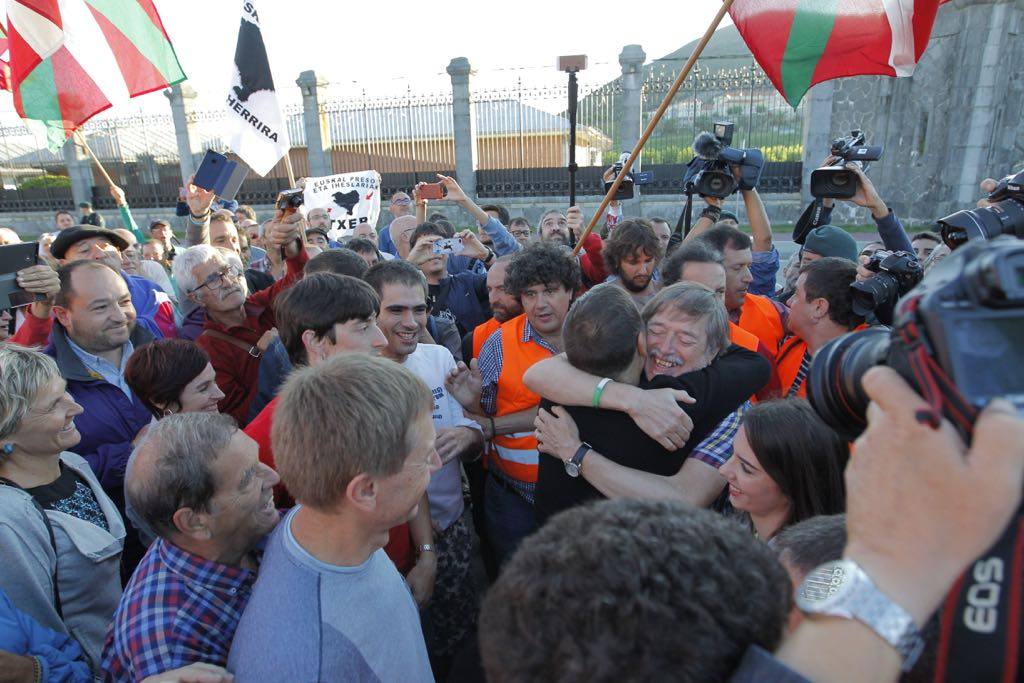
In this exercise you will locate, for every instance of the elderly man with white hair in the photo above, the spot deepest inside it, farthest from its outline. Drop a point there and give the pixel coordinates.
(238, 329)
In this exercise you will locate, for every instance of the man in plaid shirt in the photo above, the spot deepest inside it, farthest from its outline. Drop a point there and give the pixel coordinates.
(197, 482)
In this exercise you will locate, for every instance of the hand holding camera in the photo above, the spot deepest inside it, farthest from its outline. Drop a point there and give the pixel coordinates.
(866, 195)
(452, 191)
(199, 200)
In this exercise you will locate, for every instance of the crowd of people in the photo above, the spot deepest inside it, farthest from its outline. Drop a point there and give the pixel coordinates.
(244, 450)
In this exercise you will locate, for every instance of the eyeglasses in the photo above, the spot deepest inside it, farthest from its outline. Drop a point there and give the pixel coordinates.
(520, 233)
(217, 280)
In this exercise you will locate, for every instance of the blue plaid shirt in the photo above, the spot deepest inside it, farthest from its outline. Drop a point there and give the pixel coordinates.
(177, 609)
(490, 363)
(716, 448)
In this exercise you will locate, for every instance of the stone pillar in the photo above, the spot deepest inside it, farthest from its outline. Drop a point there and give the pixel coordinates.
(463, 125)
(817, 135)
(630, 120)
(182, 97)
(984, 105)
(79, 171)
(318, 140)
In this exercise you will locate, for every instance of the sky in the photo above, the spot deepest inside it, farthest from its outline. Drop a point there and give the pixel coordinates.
(410, 43)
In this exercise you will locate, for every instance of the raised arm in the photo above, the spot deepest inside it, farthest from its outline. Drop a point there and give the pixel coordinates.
(760, 226)
(504, 242)
(197, 227)
(126, 214)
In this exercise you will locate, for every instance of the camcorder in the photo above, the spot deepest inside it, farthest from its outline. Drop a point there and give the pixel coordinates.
(895, 274)
(956, 340)
(289, 201)
(1005, 216)
(836, 181)
(632, 179)
(709, 174)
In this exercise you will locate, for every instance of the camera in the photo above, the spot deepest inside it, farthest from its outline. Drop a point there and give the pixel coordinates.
(836, 181)
(625, 190)
(1004, 217)
(956, 340)
(289, 201)
(709, 174)
(896, 273)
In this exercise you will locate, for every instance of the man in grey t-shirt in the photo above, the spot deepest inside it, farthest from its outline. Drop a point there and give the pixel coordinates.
(329, 604)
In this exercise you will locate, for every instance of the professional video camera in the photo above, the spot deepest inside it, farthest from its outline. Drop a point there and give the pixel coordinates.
(632, 178)
(956, 340)
(896, 273)
(708, 174)
(1004, 217)
(836, 181)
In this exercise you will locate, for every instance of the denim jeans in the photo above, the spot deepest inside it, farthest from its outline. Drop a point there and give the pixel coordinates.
(510, 518)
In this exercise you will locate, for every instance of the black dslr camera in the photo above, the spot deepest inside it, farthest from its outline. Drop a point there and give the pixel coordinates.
(836, 181)
(632, 179)
(896, 273)
(1004, 217)
(708, 174)
(956, 339)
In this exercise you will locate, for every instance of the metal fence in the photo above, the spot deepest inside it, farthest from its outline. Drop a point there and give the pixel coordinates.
(521, 143)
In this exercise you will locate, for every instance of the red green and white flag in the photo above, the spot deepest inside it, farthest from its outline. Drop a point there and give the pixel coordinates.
(71, 59)
(799, 43)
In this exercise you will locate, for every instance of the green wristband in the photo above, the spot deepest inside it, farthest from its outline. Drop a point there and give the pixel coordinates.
(596, 402)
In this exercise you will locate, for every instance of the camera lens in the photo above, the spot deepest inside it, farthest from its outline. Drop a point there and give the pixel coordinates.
(1003, 218)
(837, 183)
(880, 289)
(841, 179)
(834, 382)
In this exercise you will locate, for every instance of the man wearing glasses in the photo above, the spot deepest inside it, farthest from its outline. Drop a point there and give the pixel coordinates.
(520, 229)
(238, 329)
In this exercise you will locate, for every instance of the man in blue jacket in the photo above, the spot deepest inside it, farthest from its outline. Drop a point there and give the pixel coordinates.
(94, 334)
(153, 307)
(460, 298)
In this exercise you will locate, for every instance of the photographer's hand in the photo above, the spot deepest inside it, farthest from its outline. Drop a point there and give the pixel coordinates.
(40, 279)
(424, 250)
(473, 247)
(920, 508)
(866, 195)
(199, 200)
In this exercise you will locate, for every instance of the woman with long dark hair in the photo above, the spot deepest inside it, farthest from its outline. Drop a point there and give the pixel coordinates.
(787, 466)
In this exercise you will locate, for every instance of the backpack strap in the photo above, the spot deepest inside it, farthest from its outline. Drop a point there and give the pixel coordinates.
(53, 544)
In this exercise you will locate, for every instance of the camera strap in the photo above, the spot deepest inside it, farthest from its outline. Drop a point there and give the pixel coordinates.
(687, 213)
(980, 635)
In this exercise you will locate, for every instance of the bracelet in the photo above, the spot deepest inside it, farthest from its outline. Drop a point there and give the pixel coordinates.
(596, 401)
(490, 256)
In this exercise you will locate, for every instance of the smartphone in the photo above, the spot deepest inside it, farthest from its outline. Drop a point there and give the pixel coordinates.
(431, 191)
(15, 257)
(210, 171)
(451, 245)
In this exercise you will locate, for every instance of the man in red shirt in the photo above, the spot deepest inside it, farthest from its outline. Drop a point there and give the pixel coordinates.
(238, 329)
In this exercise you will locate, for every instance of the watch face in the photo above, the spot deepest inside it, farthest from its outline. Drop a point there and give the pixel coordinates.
(823, 585)
(572, 469)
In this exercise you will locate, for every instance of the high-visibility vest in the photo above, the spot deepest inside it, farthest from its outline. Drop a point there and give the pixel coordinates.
(788, 363)
(481, 333)
(760, 317)
(740, 337)
(516, 454)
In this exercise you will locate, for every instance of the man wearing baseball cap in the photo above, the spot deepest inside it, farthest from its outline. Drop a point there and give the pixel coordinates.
(88, 243)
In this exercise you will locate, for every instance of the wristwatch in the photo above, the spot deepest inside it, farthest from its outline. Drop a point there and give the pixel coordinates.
(424, 548)
(490, 256)
(842, 589)
(572, 467)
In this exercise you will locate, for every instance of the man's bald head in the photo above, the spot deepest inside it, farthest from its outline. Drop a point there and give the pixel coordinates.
(401, 230)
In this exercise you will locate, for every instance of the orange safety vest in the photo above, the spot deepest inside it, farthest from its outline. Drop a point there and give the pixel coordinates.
(516, 454)
(481, 333)
(760, 317)
(740, 337)
(788, 363)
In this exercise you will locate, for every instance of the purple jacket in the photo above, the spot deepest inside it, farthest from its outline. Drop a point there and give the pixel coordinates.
(110, 420)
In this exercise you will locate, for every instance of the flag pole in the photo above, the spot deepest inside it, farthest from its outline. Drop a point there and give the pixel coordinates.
(81, 141)
(655, 119)
(288, 167)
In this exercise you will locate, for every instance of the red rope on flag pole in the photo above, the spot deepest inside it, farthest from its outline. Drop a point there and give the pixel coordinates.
(654, 122)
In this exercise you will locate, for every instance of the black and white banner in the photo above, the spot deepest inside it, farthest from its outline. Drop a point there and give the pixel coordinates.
(350, 199)
(255, 126)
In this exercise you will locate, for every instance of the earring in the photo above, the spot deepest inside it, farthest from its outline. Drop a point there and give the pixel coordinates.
(8, 448)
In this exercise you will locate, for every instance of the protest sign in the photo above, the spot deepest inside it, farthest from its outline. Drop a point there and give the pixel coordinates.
(350, 199)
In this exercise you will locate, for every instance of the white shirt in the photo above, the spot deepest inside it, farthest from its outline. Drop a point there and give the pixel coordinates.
(432, 363)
